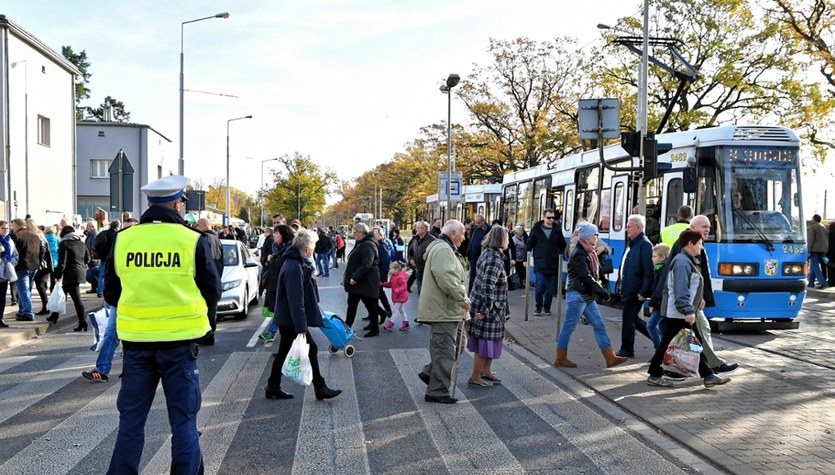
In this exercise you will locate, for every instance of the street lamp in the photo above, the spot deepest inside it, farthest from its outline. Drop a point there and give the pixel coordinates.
(262, 185)
(451, 82)
(376, 216)
(228, 195)
(25, 126)
(181, 163)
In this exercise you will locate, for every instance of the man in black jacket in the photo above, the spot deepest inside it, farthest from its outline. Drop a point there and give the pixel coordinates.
(362, 279)
(547, 244)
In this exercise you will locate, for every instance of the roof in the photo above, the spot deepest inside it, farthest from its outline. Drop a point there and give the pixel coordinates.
(37, 44)
(98, 123)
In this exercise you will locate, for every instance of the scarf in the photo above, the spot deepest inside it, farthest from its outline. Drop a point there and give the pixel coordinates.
(6, 246)
(595, 262)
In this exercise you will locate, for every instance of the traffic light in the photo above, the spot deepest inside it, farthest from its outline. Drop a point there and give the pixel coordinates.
(631, 142)
(651, 151)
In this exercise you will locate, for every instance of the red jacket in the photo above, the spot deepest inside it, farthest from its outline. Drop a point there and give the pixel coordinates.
(397, 284)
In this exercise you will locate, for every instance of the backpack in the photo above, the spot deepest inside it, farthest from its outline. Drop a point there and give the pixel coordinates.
(392, 252)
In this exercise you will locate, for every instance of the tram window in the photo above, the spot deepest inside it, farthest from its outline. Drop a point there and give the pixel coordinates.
(556, 199)
(540, 195)
(706, 202)
(619, 197)
(525, 203)
(675, 199)
(653, 216)
(509, 203)
(568, 216)
(605, 210)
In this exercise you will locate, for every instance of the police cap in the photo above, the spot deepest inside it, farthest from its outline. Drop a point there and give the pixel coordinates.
(167, 189)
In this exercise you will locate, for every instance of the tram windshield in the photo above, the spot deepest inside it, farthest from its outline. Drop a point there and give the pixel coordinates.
(759, 195)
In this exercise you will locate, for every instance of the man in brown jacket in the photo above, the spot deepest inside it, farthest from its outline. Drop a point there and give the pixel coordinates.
(818, 241)
(31, 250)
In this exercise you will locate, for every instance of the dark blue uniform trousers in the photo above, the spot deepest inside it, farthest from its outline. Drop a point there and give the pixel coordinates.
(142, 371)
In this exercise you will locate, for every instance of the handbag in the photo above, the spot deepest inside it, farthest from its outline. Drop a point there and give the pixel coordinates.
(606, 264)
(11, 274)
(513, 281)
(57, 302)
(297, 364)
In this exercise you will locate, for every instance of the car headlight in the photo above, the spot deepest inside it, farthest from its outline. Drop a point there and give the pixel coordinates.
(744, 269)
(794, 268)
(231, 284)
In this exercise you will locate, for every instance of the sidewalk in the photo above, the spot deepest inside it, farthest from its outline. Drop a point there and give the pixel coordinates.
(19, 332)
(772, 417)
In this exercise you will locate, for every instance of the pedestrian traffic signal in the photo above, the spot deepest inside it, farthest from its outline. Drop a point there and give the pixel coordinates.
(651, 151)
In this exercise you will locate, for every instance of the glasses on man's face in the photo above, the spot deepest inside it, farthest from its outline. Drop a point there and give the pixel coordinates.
(550, 217)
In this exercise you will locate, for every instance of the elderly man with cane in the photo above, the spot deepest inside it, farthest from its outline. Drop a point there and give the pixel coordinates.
(445, 306)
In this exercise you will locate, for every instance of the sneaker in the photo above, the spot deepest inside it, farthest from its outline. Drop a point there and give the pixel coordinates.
(404, 327)
(479, 384)
(725, 368)
(547, 312)
(267, 337)
(671, 376)
(388, 326)
(95, 376)
(659, 381)
(537, 312)
(713, 380)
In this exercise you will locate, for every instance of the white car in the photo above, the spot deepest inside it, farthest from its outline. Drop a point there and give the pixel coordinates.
(240, 279)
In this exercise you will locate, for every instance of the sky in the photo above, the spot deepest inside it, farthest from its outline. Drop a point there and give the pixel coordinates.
(347, 82)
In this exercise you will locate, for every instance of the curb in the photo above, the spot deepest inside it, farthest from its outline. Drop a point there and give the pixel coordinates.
(828, 294)
(21, 332)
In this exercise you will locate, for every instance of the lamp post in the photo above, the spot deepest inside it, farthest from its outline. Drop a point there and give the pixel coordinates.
(451, 82)
(228, 195)
(376, 216)
(25, 126)
(262, 185)
(181, 163)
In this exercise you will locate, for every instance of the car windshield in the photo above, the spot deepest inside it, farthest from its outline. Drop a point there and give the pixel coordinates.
(230, 255)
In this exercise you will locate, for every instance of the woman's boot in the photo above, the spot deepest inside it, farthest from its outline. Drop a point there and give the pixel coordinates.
(275, 392)
(324, 392)
(563, 361)
(611, 358)
(52, 318)
(2, 323)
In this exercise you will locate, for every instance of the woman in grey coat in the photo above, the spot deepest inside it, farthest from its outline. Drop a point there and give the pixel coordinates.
(683, 297)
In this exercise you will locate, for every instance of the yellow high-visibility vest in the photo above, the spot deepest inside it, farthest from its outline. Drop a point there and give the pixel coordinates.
(670, 234)
(160, 300)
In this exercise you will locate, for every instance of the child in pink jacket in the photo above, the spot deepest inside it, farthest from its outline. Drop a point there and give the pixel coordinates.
(399, 296)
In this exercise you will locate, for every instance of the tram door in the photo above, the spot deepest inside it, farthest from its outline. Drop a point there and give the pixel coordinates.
(620, 210)
(672, 198)
(569, 205)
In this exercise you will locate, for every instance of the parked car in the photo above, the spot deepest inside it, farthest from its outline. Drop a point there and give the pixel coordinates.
(240, 280)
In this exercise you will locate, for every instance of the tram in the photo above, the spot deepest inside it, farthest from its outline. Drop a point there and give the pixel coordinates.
(478, 199)
(745, 179)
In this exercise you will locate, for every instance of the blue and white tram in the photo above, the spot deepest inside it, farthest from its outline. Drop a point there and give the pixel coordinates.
(746, 179)
(478, 199)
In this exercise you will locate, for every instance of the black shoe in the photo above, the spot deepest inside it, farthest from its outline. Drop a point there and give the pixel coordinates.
(95, 376)
(82, 326)
(424, 377)
(277, 393)
(14, 302)
(725, 368)
(326, 393)
(366, 318)
(43, 312)
(440, 399)
(91, 291)
(407, 290)
(53, 319)
(372, 333)
(676, 377)
(24, 318)
(626, 354)
(367, 327)
(3, 324)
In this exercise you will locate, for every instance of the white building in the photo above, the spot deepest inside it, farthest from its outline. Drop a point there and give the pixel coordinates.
(37, 128)
(98, 143)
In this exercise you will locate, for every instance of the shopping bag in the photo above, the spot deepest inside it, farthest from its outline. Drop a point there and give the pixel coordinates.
(513, 281)
(57, 302)
(682, 354)
(297, 364)
(98, 320)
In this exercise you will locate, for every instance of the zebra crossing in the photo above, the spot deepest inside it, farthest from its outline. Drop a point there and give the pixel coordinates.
(380, 423)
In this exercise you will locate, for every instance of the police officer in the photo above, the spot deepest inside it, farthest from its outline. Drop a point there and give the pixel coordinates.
(161, 277)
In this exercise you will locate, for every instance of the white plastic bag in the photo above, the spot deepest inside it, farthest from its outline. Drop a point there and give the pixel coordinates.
(98, 320)
(57, 301)
(297, 364)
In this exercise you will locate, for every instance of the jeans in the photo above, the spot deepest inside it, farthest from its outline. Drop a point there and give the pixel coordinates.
(815, 272)
(272, 328)
(141, 374)
(332, 258)
(24, 287)
(100, 287)
(104, 362)
(419, 279)
(546, 286)
(576, 306)
(322, 264)
(654, 327)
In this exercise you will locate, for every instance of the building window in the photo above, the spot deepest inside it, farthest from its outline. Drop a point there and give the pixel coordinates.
(43, 130)
(159, 171)
(98, 168)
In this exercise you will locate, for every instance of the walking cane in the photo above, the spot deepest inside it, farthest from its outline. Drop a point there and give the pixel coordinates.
(458, 350)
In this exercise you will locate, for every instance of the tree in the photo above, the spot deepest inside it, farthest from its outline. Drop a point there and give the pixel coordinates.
(238, 200)
(117, 108)
(525, 101)
(81, 90)
(300, 189)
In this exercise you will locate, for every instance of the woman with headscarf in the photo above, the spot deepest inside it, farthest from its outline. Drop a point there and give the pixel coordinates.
(583, 283)
(73, 259)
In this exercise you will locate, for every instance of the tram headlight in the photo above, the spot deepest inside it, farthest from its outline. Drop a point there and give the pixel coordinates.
(794, 268)
(744, 269)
